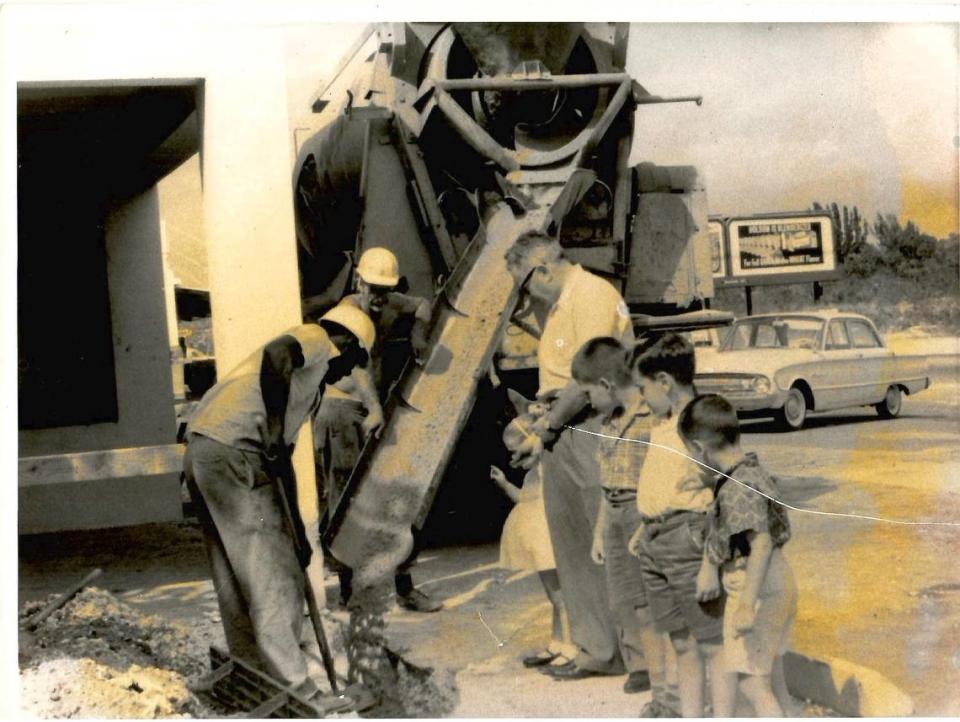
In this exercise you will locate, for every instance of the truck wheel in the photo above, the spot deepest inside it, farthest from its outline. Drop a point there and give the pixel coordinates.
(794, 411)
(890, 407)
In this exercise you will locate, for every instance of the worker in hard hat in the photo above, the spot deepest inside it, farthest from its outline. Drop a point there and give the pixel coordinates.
(339, 432)
(238, 470)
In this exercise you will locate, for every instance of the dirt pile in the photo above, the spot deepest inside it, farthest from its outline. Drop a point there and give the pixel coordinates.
(97, 625)
(100, 657)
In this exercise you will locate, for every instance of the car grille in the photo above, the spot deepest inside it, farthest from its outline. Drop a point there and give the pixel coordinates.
(725, 384)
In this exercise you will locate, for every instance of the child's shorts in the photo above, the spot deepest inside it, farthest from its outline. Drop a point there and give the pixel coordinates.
(671, 553)
(755, 651)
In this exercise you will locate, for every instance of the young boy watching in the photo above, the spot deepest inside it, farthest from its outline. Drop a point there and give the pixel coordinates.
(747, 532)
(673, 498)
(601, 370)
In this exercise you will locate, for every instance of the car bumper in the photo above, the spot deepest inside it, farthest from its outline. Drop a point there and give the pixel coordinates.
(749, 401)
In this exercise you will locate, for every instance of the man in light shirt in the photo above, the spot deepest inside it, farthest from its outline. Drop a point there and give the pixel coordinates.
(572, 306)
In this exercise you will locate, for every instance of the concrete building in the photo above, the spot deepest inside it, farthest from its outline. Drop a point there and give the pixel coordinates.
(107, 102)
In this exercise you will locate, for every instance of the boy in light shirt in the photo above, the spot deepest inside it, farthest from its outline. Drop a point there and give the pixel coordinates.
(673, 498)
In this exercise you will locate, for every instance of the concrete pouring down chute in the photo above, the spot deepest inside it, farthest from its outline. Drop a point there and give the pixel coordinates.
(394, 481)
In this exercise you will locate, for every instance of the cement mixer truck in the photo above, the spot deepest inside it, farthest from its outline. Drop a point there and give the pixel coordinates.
(443, 143)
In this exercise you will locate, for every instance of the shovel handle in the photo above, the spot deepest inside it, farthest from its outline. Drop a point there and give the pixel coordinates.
(322, 642)
(312, 607)
(53, 606)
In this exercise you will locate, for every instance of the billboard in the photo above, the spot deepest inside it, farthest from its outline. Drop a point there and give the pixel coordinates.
(779, 248)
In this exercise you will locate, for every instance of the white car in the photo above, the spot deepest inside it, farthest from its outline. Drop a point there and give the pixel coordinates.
(789, 364)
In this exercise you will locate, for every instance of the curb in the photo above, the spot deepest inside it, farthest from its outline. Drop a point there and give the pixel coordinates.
(845, 687)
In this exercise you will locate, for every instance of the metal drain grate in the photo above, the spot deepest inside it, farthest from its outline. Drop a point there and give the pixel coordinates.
(237, 686)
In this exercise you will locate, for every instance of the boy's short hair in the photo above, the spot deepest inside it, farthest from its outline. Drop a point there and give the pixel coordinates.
(668, 352)
(603, 357)
(711, 420)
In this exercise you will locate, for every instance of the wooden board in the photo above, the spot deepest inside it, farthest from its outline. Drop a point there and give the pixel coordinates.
(97, 465)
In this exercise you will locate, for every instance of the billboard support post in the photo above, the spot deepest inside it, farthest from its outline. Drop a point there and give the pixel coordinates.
(748, 292)
(817, 291)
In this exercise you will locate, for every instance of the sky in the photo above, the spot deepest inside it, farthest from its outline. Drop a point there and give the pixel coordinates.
(859, 114)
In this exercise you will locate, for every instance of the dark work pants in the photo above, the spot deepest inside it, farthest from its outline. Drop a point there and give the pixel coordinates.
(256, 575)
(571, 495)
(338, 438)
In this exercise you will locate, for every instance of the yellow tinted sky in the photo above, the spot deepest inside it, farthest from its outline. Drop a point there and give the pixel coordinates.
(862, 114)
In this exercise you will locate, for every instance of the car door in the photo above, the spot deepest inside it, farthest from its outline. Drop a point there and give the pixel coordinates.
(870, 356)
(835, 378)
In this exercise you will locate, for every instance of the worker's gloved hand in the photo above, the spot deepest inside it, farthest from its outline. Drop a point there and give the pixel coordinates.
(420, 348)
(277, 460)
(373, 422)
(278, 465)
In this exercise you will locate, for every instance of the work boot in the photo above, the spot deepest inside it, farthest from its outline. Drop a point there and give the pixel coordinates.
(417, 601)
(346, 586)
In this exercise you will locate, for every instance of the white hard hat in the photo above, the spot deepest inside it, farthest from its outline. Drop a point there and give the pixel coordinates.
(355, 321)
(379, 267)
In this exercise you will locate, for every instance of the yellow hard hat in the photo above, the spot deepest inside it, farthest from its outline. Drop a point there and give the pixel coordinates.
(355, 321)
(379, 267)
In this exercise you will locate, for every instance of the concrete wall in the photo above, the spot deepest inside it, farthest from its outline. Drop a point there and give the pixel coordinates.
(248, 202)
(144, 391)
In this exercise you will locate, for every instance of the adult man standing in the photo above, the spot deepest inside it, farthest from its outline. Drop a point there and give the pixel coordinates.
(238, 470)
(343, 420)
(572, 306)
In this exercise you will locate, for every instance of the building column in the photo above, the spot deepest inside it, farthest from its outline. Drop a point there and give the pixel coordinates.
(248, 211)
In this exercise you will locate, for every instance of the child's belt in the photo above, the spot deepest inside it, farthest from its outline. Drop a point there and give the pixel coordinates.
(674, 517)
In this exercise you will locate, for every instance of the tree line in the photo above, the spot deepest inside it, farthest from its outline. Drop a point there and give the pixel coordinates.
(901, 249)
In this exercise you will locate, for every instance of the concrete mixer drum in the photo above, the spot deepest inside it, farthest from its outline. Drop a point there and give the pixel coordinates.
(543, 126)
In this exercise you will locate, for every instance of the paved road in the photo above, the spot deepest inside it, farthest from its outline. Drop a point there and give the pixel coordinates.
(883, 595)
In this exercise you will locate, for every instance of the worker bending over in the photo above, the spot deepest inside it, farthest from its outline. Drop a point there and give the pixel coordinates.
(238, 470)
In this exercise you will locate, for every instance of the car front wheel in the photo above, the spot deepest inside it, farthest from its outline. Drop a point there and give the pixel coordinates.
(889, 408)
(794, 411)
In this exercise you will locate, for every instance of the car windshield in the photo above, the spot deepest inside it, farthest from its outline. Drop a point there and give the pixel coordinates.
(775, 332)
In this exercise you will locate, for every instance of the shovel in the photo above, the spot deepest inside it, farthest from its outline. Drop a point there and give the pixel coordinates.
(29, 625)
(284, 483)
